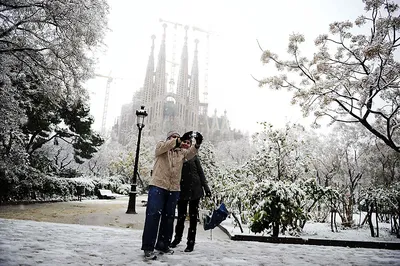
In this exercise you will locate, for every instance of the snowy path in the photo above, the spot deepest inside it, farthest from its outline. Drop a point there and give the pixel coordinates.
(41, 243)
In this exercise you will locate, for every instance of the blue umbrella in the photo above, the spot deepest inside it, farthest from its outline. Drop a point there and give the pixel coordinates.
(216, 218)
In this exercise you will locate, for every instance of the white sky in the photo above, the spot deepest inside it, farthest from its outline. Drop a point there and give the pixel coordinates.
(234, 53)
(42, 243)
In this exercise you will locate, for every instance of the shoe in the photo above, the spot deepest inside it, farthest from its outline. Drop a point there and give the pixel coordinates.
(175, 243)
(166, 251)
(189, 248)
(149, 255)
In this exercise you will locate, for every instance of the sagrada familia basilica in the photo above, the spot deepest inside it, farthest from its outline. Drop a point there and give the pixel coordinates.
(173, 105)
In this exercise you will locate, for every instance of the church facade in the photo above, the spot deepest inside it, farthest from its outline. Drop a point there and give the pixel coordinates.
(178, 109)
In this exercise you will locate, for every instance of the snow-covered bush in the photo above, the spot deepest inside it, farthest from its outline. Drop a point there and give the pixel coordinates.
(109, 182)
(123, 189)
(54, 186)
(276, 207)
(85, 181)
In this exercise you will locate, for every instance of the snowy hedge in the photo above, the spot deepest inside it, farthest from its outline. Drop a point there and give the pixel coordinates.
(29, 184)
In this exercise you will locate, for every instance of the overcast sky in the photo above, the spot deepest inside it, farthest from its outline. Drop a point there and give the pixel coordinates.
(234, 52)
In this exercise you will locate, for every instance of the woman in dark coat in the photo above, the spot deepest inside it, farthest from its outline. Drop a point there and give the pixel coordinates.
(193, 187)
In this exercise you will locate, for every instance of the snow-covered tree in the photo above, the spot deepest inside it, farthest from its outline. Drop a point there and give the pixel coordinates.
(50, 41)
(46, 53)
(212, 171)
(101, 164)
(281, 163)
(233, 152)
(52, 119)
(326, 160)
(383, 166)
(280, 154)
(353, 77)
(124, 160)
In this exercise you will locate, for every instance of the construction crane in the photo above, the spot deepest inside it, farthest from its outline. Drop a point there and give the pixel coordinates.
(204, 31)
(110, 79)
(174, 64)
(207, 61)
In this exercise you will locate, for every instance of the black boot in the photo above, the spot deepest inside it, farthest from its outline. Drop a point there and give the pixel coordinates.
(175, 243)
(163, 248)
(149, 255)
(190, 246)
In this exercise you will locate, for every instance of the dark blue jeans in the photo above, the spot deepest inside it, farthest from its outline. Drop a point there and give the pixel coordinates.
(160, 203)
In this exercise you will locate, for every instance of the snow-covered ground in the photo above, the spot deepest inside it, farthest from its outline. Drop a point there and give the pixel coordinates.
(42, 243)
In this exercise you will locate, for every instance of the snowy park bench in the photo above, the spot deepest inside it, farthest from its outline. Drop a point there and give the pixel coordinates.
(106, 194)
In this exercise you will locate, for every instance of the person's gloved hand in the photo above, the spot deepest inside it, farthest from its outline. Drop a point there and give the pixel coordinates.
(187, 136)
(199, 138)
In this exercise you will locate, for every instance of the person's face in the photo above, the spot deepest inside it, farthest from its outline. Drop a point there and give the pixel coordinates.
(185, 144)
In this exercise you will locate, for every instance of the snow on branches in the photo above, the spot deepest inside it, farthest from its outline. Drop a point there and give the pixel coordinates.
(351, 78)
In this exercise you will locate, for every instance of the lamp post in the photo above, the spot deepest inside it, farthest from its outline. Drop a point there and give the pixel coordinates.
(140, 115)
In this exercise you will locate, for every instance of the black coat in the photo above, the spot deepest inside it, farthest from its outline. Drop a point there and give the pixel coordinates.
(193, 181)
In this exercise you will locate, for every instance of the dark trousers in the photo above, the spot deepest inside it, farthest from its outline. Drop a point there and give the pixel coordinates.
(193, 213)
(160, 203)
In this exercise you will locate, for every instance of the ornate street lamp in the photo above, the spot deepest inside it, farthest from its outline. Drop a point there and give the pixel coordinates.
(140, 115)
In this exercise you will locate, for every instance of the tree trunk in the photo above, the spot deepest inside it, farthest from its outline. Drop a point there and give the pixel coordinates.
(333, 216)
(349, 212)
(398, 224)
(334, 222)
(238, 222)
(392, 224)
(365, 218)
(302, 223)
(371, 226)
(395, 227)
(376, 219)
(275, 229)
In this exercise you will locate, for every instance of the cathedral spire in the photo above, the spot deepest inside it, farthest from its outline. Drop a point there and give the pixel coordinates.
(215, 124)
(159, 88)
(193, 98)
(183, 84)
(194, 78)
(183, 70)
(160, 80)
(225, 123)
(149, 78)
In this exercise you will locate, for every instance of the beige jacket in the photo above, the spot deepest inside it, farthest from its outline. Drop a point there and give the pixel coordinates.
(168, 165)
